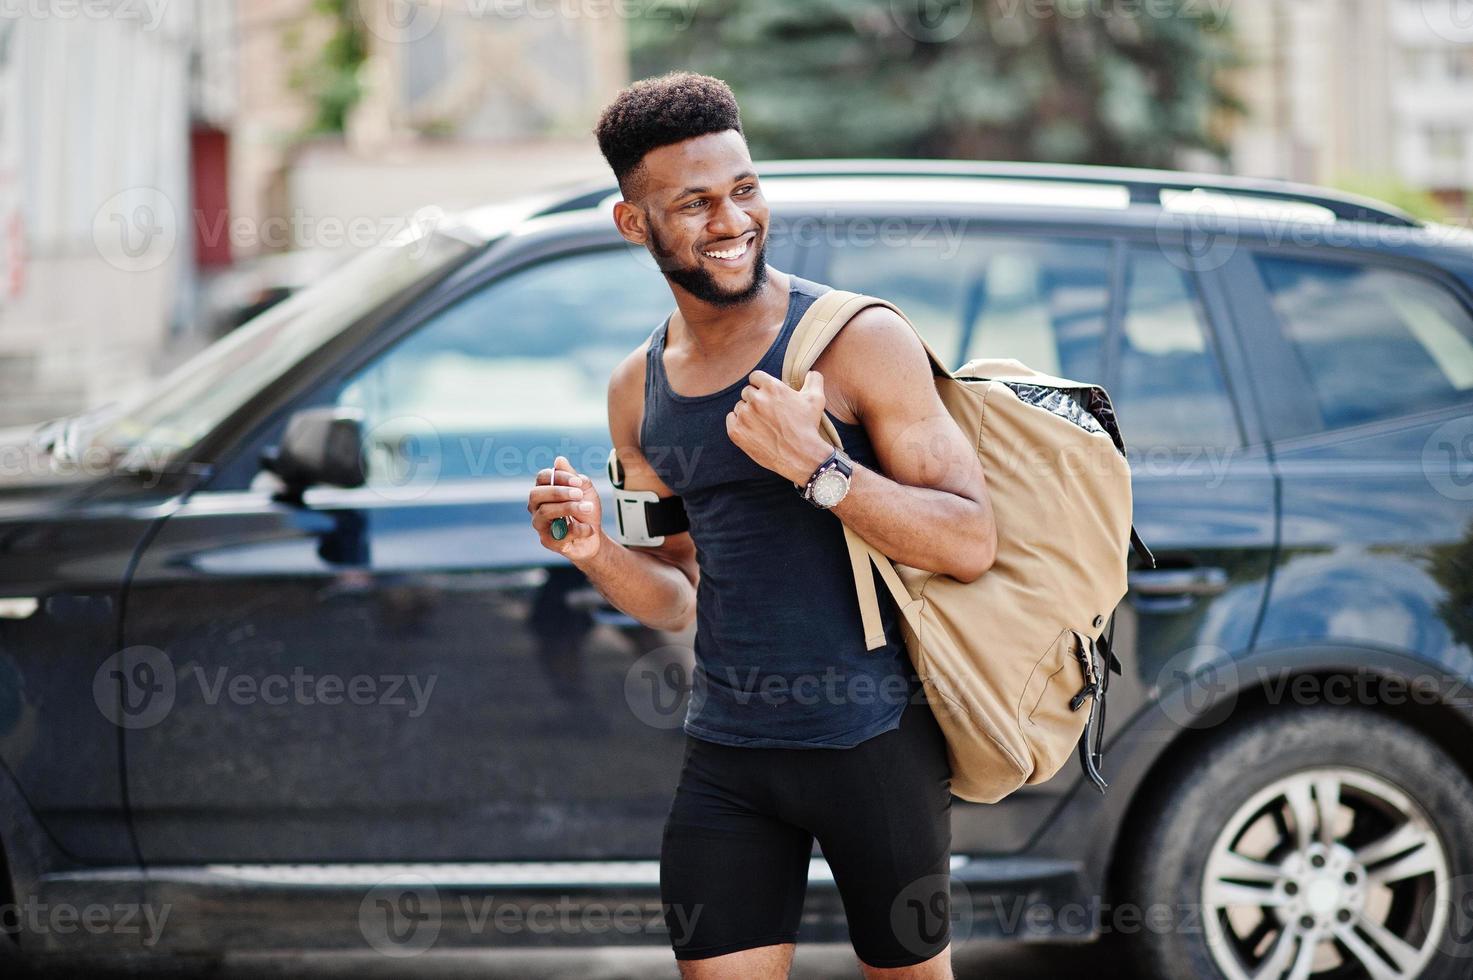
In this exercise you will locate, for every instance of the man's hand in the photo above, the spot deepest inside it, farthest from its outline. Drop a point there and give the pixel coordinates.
(575, 500)
(779, 428)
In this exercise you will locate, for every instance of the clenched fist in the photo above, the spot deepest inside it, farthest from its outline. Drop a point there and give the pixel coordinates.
(779, 427)
(572, 498)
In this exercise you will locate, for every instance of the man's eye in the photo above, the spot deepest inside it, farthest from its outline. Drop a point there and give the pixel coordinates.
(694, 203)
(746, 188)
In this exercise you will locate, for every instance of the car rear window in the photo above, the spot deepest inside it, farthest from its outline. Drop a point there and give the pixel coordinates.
(1374, 342)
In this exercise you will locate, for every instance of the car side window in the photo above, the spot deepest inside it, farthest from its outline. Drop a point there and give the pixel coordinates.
(498, 384)
(1374, 342)
(1170, 392)
(1043, 301)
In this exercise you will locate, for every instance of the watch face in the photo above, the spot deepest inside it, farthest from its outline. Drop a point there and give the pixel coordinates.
(829, 488)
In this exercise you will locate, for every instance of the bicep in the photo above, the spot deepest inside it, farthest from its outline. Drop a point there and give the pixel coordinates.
(916, 440)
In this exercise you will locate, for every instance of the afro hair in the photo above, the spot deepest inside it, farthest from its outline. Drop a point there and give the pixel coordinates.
(655, 112)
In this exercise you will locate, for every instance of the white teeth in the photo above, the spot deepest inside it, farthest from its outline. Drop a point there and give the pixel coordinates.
(730, 253)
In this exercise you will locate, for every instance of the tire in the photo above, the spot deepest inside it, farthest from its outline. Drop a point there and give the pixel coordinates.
(1311, 903)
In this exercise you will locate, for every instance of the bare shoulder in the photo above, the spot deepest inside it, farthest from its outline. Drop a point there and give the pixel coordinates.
(626, 388)
(876, 336)
(626, 415)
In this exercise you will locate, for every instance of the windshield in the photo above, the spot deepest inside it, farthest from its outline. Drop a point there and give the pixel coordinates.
(191, 400)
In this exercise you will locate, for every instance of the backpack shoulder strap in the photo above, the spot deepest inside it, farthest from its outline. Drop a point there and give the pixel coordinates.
(820, 323)
(823, 320)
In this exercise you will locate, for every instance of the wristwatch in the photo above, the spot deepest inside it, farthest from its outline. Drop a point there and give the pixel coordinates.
(830, 482)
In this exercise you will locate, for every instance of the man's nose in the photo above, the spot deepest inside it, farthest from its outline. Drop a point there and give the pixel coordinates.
(728, 220)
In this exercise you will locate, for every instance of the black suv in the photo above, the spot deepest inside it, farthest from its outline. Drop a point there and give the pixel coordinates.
(283, 664)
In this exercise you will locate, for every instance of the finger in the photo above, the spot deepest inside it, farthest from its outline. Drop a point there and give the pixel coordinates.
(760, 378)
(545, 514)
(545, 494)
(562, 491)
(813, 381)
(565, 478)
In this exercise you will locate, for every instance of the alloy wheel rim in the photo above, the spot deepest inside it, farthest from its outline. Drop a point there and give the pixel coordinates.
(1325, 871)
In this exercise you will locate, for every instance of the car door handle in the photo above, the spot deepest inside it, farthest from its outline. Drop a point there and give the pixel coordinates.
(1205, 580)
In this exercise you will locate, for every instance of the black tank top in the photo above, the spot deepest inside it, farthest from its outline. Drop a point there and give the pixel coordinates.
(779, 647)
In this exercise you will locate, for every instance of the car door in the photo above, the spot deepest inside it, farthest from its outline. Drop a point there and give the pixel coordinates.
(1203, 484)
(1133, 316)
(1369, 366)
(399, 671)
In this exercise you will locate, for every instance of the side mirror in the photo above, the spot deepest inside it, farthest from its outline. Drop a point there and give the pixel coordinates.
(320, 445)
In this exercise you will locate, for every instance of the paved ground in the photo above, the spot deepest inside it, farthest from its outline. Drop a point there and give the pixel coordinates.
(813, 962)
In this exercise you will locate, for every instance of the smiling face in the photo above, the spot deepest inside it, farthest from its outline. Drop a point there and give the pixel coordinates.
(704, 218)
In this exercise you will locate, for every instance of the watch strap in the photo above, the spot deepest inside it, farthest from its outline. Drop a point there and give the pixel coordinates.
(828, 460)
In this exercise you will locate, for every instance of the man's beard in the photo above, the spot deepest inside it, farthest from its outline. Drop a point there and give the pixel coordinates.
(698, 281)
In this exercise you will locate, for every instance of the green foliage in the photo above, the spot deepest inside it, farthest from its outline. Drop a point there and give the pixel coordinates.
(1057, 80)
(329, 77)
(1392, 190)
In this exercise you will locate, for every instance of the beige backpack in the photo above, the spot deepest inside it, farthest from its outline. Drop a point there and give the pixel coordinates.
(1008, 661)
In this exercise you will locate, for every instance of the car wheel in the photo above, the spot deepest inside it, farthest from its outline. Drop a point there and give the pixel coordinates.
(1319, 842)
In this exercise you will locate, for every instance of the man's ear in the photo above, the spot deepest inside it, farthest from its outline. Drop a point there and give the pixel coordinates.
(631, 223)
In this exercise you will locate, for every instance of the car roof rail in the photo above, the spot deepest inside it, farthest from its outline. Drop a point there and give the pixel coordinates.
(1144, 186)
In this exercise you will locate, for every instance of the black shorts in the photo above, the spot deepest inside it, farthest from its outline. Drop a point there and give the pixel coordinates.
(734, 860)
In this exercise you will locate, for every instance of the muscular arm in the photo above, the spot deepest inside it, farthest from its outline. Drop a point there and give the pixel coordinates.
(929, 508)
(654, 585)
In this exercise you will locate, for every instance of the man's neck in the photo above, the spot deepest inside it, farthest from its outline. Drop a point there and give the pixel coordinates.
(713, 331)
